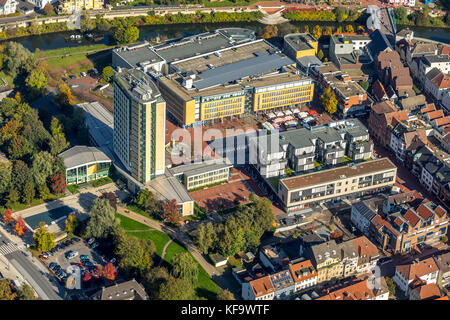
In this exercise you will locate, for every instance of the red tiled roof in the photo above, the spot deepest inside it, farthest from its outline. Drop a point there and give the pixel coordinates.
(440, 211)
(425, 212)
(442, 121)
(262, 286)
(299, 266)
(412, 218)
(435, 114)
(420, 269)
(384, 107)
(357, 291)
(378, 90)
(428, 108)
(365, 247)
(441, 81)
(428, 291)
(446, 50)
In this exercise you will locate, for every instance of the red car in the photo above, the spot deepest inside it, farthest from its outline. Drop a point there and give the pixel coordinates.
(76, 264)
(43, 257)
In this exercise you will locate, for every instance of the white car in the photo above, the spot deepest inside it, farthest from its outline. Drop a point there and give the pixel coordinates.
(91, 241)
(94, 245)
(71, 254)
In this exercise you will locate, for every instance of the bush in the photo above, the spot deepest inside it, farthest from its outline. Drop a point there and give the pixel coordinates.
(234, 262)
(444, 239)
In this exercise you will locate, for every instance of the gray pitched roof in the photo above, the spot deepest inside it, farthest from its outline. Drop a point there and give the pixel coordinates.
(130, 290)
(81, 155)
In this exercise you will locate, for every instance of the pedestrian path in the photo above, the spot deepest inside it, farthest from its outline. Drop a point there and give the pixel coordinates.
(7, 249)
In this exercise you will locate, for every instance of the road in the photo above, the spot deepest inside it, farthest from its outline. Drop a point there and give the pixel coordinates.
(37, 277)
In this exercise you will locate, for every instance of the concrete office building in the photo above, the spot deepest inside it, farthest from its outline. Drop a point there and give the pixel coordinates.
(298, 45)
(246, 78)
(297, 193)
(139, 124)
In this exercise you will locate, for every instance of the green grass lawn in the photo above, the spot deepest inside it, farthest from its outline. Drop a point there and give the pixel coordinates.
(138, 210)
(129, 224)
(73, 188)
(206, 287)
(228, 3)
(72, 50)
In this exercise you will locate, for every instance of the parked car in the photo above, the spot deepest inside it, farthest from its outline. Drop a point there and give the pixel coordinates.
(91, 241)
(56, 268)
(113, 260)
(72, 77)
(76, 264)
(41, 256)
(76, 239)
(94, 245)
(89, 264)
(84, 257)
(71, 254)
(52, 265)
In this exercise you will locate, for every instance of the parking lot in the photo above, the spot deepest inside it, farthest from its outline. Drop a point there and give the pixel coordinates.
(58, 255)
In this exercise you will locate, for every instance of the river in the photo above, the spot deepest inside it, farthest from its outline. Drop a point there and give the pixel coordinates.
(60, 39)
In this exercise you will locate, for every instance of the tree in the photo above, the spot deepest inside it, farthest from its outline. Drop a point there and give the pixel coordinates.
(107, 73)
(320, 55)
(6, 292)
(329, 101)
(25, 292)
(43, 240)
(86, 276)
(102, 219)
(18, 59)
(185, 267)
(341, 14)
(5, 176)
(176, 289)
(135, 254)
(71, 223)
(349, 28)
(20, 227)
(270, 31)
(153, 280)
(401, 14)
(28, 192)
(58, 144)
(200, 240)
(12, 198)
(364, 85)
(65, 96)
(111, 197)
(86, 23)
(7, 216)
(317, 32)
(58, 183)
(306, 29)
(49, 9)
(126, 34)
(146, 201)
(110, 272)
(21, 174)
(98, 271)
(225, 295)
(36, 79)
(338, 30)
(444, 239)
(42, 167)
(171, 212)
(391, 286)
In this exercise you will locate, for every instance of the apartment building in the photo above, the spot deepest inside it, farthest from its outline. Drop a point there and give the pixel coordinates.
(437, 83)
(299, 45)
(426, 270)
(8, 6)
(301, 148)
(351, 181)
(403, 133)
(369, 289)
(352, 98)
(414, 51)
(348, 51)
(443, 263)
(283, 284)
(139, 124)
(247, 78)
(382, 116)
(259, 289)
(431, 61)
(304, 275)
(69, 6)
(392, 72)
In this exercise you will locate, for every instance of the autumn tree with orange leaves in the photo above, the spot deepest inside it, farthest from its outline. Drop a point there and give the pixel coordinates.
(7, 216)
(109, 271)
(20, 227)
(171, 212)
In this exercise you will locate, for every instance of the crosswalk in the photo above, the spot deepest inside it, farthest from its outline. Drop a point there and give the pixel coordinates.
(7, 249)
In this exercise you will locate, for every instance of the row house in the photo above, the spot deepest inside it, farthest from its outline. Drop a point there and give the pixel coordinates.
(8, 6)
(304, 275)
(437, 83)
(392, 72)
(400, 222)
(430, 62)
(369, 289)
(414, 51)
(402, 135)
(382, 94)
(426, 270)
(258, 289)
(283, 284)
(420, 290)
(382, 116)
(334, 261)
(443, 263)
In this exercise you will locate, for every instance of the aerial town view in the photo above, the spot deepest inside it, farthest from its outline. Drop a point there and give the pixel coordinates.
(239, 150)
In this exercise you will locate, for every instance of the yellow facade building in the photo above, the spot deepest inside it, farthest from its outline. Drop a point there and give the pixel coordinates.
(68, 6)
(298, 45)
(248, 78)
